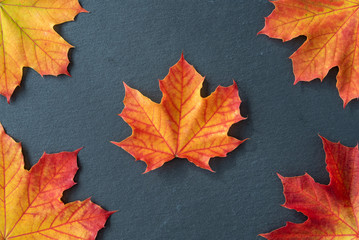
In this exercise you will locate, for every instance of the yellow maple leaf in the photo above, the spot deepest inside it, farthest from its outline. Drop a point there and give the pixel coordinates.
(28, 39)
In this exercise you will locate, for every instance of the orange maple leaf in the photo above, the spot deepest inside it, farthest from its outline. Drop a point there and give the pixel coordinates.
(30, 204)
(184, 124)
(27, 39)
(332, 209)
(331, 27)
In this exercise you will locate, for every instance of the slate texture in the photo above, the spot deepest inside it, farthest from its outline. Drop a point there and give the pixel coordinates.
(136, 41)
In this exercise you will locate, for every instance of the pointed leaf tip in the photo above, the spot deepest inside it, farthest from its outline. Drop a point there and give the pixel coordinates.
(78, 150)
(280, 176)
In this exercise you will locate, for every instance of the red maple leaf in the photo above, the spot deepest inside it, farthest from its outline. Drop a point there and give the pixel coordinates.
(333, 209)
(184, 124)
(331, 27)
(30, 201)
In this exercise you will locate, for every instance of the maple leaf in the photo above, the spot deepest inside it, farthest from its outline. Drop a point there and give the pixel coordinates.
(332, 209)
(331, 27)
(27, 39)
(184, 124)
(30, 205)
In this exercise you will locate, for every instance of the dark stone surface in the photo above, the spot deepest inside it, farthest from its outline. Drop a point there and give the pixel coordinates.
(136, 41)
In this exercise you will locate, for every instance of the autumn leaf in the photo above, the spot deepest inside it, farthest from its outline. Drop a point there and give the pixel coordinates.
(28, 39)
(331, 27)
(30, 205)
(332, 209)
(184, 124)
